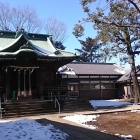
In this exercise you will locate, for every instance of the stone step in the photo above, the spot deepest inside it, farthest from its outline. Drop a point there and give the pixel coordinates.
(30, 108)
(24, 114)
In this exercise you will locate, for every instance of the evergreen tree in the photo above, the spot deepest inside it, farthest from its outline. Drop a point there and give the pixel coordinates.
(89, 51)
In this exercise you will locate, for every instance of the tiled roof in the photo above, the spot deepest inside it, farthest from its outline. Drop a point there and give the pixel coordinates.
(10, 45)
(96, 68)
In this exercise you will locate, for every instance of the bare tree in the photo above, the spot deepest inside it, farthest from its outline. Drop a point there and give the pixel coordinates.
(57, 29)
(14, 18)
(4, 16)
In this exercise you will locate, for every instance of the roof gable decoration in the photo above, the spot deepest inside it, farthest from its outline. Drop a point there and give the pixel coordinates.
(26, 46)
(21, 32)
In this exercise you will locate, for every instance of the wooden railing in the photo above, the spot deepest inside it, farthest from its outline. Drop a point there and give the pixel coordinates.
(56, 101)
(58, 91)
(73, 94)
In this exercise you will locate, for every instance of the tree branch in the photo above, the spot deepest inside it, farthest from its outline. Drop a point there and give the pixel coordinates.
(135, 5)
(136, 52)
(120, 25)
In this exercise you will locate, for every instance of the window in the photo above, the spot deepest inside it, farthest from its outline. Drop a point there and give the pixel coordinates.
(90, 86)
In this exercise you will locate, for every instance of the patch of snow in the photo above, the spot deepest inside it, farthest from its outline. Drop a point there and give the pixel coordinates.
(108, 103)
(82, 119)
(29, 130)
(135, 110)
(66, 70)
(125, 137)
(104, 131)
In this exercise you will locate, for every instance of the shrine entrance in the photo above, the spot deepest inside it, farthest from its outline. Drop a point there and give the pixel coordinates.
(20, 82)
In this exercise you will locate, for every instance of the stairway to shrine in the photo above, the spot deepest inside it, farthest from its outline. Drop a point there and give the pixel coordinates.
(71, 105)
(42, 107)
(28, 108)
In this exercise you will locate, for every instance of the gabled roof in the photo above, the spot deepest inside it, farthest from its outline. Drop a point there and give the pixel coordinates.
(127, 75)
(81, 68)
(11, 44)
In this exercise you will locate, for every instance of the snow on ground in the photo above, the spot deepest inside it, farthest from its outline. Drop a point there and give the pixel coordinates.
(135, 110)
(26, 129)
(125, 137)
(108, 103)
(82, 119)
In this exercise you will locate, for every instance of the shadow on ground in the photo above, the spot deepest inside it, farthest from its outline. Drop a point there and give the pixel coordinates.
(112, 108)
(78, 133)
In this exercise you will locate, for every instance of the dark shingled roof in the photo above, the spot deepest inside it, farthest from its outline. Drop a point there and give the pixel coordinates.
(81, 68)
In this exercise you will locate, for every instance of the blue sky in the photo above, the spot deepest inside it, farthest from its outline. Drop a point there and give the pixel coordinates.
(67, 11)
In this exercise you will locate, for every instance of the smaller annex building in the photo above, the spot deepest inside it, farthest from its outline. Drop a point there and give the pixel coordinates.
(126, 81)
(92, 80)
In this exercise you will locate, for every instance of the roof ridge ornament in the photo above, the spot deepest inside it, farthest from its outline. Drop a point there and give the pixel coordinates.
(21, 31)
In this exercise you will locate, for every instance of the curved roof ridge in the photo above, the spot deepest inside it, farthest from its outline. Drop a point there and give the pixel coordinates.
(41, 50)
(48, 40)
(11, 44)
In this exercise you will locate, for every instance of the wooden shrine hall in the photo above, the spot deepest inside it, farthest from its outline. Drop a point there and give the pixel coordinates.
(28, 64)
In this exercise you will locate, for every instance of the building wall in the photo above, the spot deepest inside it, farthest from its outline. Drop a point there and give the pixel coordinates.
(97, 94)
(45, 77)
(92, 87)
(2, 84)
(40, 78)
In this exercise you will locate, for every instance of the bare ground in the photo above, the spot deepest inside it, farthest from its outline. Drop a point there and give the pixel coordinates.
(123, 123)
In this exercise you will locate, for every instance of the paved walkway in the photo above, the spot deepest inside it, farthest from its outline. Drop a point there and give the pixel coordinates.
(76, 131)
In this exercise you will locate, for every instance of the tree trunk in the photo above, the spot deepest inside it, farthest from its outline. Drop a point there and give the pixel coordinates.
(135, 80)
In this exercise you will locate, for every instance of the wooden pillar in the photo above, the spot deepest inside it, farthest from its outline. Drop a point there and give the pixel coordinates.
(7, 81)
(25, 83)
(79, 87)
(40, 83)
(7, 95)
(89, 81)
(18, 84)
(30, 89)
(109, 83)
(100, 86)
